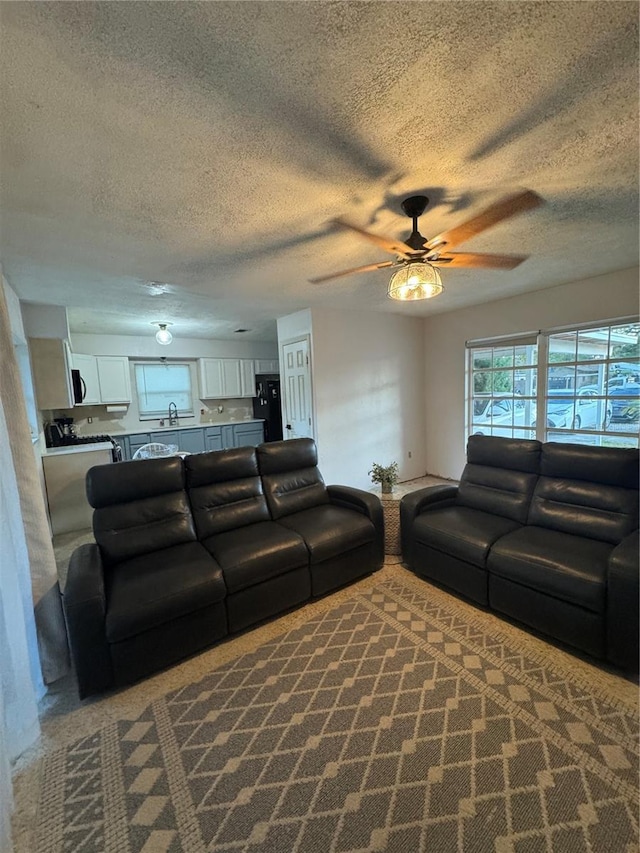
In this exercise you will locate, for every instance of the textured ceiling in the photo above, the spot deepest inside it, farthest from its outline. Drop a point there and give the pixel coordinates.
(206, 146)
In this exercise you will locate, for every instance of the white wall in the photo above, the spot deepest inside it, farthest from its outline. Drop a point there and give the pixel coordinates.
(45, 321)
(368, 379)
(601, 298)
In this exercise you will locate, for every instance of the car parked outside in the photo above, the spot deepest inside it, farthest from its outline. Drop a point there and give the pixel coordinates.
(623, 405)
(493, 415)
(567, 409)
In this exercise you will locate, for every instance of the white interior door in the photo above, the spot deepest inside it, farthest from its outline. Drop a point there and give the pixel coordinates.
(296, 390)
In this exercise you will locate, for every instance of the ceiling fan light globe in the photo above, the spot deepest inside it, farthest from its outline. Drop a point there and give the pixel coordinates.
(418, 280)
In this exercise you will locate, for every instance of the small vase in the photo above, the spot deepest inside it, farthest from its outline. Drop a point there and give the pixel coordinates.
(386, 487)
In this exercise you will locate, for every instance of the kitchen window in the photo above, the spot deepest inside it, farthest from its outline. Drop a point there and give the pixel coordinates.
(159, 385)
(577, 384)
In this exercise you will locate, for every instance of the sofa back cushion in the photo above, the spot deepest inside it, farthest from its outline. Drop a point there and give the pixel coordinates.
(500, 476)
(225, 490)
(139, 507)
(290, 476)
(587, 491)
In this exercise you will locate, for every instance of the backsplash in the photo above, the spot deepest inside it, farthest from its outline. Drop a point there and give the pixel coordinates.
(109, 423)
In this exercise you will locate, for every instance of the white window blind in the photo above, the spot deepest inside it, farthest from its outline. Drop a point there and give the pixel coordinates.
(159, 385)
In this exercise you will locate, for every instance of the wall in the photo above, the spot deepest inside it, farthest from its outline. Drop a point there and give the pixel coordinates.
(601, 298)
(368, 380)
(45, 321)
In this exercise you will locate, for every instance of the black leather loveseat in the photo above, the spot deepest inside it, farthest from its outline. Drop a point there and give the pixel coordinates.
(544, 533)
(188, 551)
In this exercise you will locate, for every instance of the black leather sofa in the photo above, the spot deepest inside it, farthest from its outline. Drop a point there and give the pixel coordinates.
(546, 534)
(188, 551)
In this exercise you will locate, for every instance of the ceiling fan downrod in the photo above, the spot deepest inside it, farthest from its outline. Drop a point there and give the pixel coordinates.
(414, 207)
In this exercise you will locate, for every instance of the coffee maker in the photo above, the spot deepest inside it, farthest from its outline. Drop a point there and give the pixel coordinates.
(59, 432)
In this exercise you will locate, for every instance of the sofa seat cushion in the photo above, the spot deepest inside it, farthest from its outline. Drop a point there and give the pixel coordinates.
(462, 532)
(256, 553)
(155, 588)
(330, 531)
(570, 568)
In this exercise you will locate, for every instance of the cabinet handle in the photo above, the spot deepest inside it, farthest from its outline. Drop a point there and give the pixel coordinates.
(288, 426)
(84, 388)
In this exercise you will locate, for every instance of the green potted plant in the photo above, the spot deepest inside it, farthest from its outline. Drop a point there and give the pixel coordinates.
(386, 475)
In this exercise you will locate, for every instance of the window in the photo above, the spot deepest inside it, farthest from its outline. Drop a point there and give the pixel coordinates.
(503, 385)
(585, 389)
(159, 385)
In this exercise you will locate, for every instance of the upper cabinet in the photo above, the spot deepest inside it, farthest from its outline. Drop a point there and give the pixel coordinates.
(103, 378)
(221, 378)
(114, 379)
(267, 365)
(51, 368)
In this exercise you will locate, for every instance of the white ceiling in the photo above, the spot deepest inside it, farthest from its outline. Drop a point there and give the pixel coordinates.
(206, 146)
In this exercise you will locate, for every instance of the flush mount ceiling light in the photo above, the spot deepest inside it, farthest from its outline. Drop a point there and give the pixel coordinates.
(418, 280)
(163, 335)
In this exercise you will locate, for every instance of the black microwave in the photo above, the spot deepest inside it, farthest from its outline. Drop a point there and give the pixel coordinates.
(78, 386)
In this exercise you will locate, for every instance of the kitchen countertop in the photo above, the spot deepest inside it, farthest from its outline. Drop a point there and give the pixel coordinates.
(77, 448)
(155, 428)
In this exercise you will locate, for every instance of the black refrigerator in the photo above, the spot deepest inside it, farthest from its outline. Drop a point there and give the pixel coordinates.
(266, 405)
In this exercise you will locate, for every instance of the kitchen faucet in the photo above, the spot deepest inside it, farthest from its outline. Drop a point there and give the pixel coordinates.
(173, 414)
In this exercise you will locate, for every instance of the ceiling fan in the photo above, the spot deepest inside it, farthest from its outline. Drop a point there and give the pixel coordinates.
(417, 259)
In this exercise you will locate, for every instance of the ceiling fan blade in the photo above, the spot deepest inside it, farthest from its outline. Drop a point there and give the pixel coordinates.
(396, 247)
(470, 259)
(510, 206)
(366, 268)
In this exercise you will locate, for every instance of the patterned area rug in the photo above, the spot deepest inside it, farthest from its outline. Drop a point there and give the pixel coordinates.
(387, 723)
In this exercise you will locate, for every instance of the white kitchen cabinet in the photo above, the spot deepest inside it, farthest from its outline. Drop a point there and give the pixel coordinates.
(267, 365)
(88, 368)
(221, 378)
(231, 377)
(113, 378)
(247, 377)
(51, 368)
(210, 378)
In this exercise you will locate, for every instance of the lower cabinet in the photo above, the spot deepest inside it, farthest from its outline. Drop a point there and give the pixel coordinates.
(213, 438)
(249, 435)
(197, 440)
(191, 440)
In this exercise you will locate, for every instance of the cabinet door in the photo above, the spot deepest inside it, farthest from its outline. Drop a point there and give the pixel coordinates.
(88, 368)
(213, 438)
(228, 437)
(248, 435)
(166, 437)
(113, 376)
(248, 377)
(191, 440)
(267, 365)
(210, 376)
(231, 377)
(136, 441)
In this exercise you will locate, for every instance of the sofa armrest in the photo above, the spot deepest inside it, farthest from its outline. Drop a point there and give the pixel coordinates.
(417, 502)
(623, 610)
(365, 502)
(85, 608)
(414, 504)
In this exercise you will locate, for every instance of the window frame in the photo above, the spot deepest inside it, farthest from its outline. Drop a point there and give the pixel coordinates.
(156, 414)
(600, 432)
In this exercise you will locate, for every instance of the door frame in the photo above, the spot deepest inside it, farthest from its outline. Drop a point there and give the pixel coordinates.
(312, 403)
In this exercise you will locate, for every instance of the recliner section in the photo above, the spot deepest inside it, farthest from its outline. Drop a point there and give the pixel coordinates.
(188, 551)
(544, 533)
